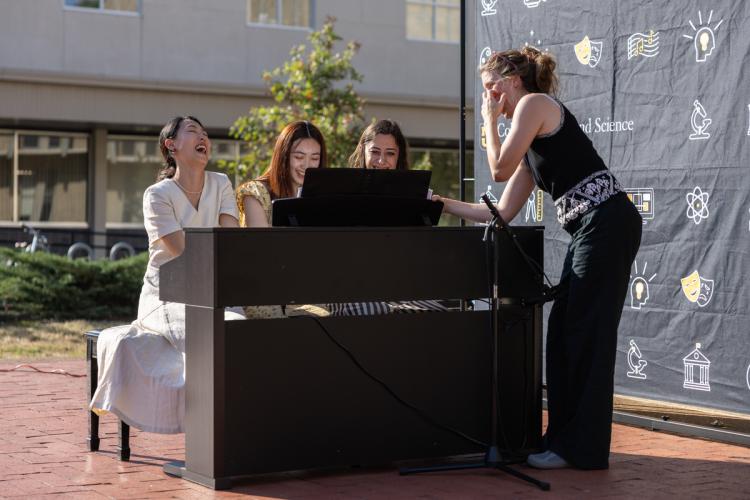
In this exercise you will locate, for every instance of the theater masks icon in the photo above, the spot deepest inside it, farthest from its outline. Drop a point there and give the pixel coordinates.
(697, 289)
(588, 52)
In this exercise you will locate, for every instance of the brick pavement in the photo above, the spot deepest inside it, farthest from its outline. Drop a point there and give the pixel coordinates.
(43, 454)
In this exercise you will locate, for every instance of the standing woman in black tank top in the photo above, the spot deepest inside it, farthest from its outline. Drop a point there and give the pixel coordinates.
(547, 148)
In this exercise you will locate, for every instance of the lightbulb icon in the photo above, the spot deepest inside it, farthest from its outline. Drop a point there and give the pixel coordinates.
(639, 294)
(639, 288)
(704, 38)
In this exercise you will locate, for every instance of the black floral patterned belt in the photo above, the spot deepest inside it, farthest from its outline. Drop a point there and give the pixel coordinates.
(587, 194)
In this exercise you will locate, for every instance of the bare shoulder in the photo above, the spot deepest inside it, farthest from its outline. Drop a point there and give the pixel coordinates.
(539, 102)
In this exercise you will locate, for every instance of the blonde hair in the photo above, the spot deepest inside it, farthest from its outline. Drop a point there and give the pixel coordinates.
(536, 69)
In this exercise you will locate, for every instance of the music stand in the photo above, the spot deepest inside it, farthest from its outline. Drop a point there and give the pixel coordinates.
(320, 182)
(347, 197)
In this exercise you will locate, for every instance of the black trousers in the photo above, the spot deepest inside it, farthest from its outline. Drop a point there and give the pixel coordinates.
(582, 331)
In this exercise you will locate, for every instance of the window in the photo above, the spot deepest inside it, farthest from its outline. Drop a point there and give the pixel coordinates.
(132, 166)
(295, 13)
(6, 177)
(438, 20)
(51, 177)
(444, 166)
(106, 5)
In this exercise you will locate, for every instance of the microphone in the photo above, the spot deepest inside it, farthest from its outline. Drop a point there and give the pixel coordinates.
(498, 219)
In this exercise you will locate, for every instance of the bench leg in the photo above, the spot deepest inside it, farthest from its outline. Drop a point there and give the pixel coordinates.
(93, 379)
(124, 445)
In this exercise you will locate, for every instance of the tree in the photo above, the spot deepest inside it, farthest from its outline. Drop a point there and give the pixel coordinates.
(315, 85)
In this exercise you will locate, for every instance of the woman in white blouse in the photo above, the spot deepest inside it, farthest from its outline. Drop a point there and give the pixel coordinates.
(141, 365)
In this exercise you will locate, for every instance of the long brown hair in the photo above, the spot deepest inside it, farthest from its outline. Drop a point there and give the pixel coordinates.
(535, 68)
(169, 131)
(277, 175)
(386, 127)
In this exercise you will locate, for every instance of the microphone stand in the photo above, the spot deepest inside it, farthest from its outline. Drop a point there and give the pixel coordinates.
(548, 293)
(493, 458)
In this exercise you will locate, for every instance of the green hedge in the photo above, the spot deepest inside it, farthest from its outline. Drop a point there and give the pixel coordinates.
(42, 285)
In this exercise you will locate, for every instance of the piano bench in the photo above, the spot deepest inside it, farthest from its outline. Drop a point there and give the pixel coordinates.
(92, 373)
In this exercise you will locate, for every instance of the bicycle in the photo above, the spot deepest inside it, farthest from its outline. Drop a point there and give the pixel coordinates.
(39, 242)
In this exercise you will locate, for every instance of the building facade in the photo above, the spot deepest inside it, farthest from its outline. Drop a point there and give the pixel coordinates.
(85, 86)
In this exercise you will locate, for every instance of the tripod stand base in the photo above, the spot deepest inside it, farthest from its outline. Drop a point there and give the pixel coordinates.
(492, 460)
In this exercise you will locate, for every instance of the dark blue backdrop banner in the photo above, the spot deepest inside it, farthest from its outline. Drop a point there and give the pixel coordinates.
(662, 88)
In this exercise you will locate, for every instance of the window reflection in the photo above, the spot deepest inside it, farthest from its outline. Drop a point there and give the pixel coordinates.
(52, 178)
(114, 5)
(6, 177)
(132, 166)
(438, 20)
(284, 12)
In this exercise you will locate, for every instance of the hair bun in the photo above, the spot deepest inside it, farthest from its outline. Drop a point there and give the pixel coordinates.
(531, 52)
(544, 68)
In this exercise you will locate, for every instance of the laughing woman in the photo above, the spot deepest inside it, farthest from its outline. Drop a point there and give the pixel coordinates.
(142, 365)
(547, 148)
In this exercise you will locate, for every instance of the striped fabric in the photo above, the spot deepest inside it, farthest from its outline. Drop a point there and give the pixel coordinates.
(376, 308)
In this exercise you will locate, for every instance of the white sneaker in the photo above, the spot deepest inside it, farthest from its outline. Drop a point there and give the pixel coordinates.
(547, 460)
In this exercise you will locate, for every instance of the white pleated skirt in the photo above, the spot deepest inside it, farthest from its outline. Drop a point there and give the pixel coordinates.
(142, 365)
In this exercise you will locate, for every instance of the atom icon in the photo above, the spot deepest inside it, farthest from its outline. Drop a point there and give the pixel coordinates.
(697, 205)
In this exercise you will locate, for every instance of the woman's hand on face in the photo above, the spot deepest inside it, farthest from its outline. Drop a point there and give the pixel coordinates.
(492, 105)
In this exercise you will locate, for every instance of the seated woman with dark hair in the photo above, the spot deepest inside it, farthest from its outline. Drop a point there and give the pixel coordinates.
(142, 365)
(382, 145)
(299, 146)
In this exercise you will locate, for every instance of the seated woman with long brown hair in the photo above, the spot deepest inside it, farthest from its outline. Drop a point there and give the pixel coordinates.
(382, 145)
(299, 146)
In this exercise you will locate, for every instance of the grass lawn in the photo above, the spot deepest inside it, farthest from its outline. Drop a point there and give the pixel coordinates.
(46, 339)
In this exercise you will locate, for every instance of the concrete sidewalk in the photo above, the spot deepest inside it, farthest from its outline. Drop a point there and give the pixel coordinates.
(43, 454)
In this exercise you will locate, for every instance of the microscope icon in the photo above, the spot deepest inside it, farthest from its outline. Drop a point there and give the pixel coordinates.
(699, 121)
(635, 363)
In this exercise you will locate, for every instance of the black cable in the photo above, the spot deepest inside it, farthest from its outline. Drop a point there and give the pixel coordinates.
(418, 411)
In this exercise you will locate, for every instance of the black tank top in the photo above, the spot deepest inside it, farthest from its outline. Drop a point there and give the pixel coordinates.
(565, 164)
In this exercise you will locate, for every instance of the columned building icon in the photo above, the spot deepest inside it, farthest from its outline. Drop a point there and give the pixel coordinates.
(696, 370)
